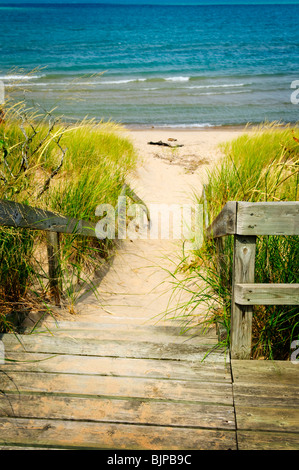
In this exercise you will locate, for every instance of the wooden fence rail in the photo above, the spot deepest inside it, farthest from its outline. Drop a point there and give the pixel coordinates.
(14, 214)
(245, 221)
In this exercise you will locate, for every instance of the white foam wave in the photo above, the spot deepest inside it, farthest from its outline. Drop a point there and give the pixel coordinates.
(20, 77)
(187, 126)
(226, 85)
(223, 93)
(177, 79)
(119, 82)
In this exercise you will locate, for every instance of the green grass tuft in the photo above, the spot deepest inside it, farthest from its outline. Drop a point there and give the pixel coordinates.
(261, 165)
(69, 169)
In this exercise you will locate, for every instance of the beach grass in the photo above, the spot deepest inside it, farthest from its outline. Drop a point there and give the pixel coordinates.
(261, 165)
(68, 169)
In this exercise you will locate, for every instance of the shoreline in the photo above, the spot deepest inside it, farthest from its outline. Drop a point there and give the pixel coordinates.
(220, 128)
(136, 127)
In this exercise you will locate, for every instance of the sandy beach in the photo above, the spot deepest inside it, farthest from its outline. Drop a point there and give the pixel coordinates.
(173, 174)
(137, 286)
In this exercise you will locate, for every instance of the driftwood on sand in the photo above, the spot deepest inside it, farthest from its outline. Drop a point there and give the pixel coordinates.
(164, 144)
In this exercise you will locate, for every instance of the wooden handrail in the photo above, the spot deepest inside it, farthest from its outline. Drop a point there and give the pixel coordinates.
(225, 222)
(14, 214)
(245, 221)
(256, 218)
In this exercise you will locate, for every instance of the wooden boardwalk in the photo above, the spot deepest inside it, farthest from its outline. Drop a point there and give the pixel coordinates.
(114, 385)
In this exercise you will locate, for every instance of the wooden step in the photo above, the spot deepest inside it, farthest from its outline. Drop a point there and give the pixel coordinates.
(108, 386)
(108, 331)
(113, 410)
(91, 435)
(266, 398)
(117, 366)
(111, 348)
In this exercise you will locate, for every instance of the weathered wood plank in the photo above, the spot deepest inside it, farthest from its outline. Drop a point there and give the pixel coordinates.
(265, 372)
(3, 446)
(133, 411)
(116, 366)
(266, 399)
(225, 222)
(279, 396)
(266, 384)
(153, 334)
(267, 419)
(133, 387)
(54, 266)
(267, 294)
(268, 218)
(114, 323)
(241, 316)
(109, 348)
(262, 394)
(13, 214)
(99, 320)
(258, 440)
(78, 434)
(107, 324)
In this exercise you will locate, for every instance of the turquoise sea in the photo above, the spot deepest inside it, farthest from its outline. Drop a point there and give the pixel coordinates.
(180, 66)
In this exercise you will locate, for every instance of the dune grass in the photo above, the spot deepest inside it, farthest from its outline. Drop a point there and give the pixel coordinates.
(69, 169)
(261, 165)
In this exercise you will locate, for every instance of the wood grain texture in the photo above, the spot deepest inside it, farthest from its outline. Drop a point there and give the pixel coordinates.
(90, 435)
(267, 294)
(113, 410)
(108, 331)
(13, 214)
(225, 222)
(268, 218)
(266, 400)
(134, 387)
(81, 400)
(55, 282)
(266, 372)
(241, 316)
(254, 440)
(111, 348)
(118, 367)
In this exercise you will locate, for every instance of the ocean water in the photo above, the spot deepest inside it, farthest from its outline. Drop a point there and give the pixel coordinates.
(179, 66)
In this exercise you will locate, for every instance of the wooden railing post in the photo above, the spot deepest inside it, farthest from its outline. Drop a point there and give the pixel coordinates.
(241, 316)
(54, 266)
(246, 221)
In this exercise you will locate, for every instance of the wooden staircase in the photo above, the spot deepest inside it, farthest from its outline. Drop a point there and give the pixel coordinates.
(115, 386)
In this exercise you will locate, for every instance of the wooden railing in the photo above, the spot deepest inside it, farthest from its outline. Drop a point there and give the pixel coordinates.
(13, 214)
(245, 221)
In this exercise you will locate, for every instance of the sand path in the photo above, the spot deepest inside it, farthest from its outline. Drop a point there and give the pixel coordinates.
(137, 286)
